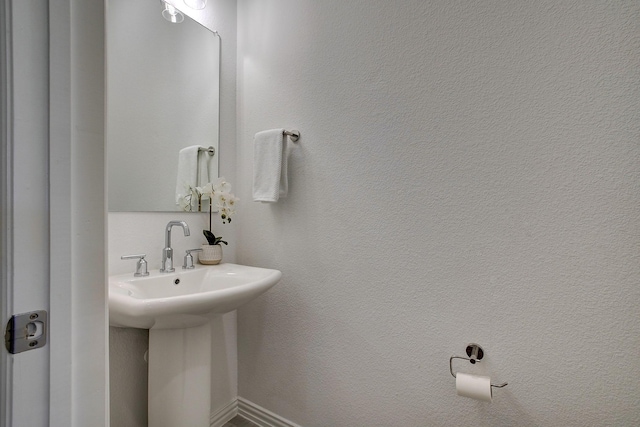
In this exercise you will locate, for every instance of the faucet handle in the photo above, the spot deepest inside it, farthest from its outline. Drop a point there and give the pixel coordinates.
(141, 265)
(188, 259)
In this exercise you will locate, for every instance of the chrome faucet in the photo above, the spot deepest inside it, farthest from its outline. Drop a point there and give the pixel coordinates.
(167, 252)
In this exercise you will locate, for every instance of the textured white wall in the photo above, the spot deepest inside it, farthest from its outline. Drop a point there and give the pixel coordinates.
(467, 172)
(144, 232)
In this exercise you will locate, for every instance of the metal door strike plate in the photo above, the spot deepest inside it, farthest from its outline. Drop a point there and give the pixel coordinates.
(26, 331)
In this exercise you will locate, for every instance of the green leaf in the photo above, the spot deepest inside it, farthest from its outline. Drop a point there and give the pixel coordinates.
(212, 239)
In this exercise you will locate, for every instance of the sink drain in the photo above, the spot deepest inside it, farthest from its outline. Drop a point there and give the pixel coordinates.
(176, 282)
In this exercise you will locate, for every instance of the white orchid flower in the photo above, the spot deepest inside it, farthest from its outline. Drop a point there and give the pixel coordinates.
(220, 199)
(185, 203)
(207, 189)
(222, 186)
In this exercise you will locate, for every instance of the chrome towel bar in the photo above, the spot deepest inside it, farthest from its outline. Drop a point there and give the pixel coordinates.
(293, 134)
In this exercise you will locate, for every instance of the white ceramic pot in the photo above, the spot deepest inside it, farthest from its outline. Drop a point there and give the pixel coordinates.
(210, 255)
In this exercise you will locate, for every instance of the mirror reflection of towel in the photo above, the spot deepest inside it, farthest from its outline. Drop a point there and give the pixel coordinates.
(193, 170)
(204, 168)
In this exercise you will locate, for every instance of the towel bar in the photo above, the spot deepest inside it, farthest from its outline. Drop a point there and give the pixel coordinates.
(293, 135)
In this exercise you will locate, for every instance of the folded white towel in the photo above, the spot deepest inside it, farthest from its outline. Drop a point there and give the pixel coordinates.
(269, 166)
(204, 167)
(193, 170)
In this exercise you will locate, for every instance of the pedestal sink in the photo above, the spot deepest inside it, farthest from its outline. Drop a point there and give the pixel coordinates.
(175, 307)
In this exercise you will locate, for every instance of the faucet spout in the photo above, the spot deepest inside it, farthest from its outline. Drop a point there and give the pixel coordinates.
(167, 252)
(167, 233)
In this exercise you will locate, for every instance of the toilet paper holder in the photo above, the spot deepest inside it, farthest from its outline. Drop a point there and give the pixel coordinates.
(475, 354)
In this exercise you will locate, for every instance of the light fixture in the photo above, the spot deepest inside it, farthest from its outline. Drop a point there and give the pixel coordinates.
(170, 13)
(196, 4)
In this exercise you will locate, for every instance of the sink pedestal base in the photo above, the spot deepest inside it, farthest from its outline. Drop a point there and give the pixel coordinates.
(180, 377)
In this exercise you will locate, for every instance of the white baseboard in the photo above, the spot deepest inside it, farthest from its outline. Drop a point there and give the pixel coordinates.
(223, 415)
(260, 416)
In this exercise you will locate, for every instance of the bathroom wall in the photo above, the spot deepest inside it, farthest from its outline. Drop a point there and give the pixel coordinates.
(467, 172)
(144, 233)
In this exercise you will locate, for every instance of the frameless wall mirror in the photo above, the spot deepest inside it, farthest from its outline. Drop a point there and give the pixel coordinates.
(162, 95)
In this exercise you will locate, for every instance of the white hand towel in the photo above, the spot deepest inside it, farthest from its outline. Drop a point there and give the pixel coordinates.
(269, 166)
(187, 171)
(204, 167)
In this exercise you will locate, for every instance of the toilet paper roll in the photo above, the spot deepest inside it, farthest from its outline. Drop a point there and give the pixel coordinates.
(473, 386)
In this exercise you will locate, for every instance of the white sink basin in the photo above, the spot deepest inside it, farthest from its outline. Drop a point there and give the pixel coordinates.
(184, 299)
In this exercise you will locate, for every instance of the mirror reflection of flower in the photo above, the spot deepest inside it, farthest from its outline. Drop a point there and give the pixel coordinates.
(220, 197)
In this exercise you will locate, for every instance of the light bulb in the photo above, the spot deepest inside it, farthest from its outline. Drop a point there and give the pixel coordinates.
(196, 4)
(171, 14)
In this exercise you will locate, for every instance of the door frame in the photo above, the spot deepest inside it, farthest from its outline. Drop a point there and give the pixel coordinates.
(5, 198)
(78, 314)
(24, 227)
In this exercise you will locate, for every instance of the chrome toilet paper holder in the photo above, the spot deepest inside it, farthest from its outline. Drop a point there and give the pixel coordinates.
(475, 354)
